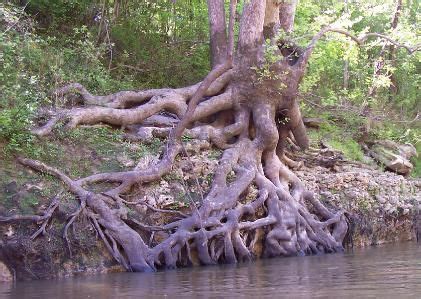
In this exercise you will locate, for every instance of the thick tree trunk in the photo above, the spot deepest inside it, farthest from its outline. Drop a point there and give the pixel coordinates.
(287, 14)
(271, 24)
(251, 27)
(218, 34)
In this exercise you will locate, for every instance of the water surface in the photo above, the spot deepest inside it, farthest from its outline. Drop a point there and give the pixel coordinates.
(389, 271)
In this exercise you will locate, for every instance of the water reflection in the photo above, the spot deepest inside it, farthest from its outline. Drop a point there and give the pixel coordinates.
(387, 271)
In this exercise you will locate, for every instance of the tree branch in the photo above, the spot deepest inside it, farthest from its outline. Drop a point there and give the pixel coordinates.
(359, 40)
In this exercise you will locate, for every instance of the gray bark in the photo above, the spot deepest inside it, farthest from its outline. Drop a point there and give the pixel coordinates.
(218, 34)
(287, 14)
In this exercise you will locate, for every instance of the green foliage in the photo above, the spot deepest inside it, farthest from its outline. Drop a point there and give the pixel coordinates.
(416, 161)
(324, 82)
(340, 131)
(167, 40)
(351, 149)
(19, 93)
(215, 154)
(53, 14)
(398, 132)
(31, 66)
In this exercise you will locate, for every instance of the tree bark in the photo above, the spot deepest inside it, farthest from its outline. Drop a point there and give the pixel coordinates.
(346, 60)
(218, 34)
(251, 26)
(271, 24)
(287, 14)
(392, 50)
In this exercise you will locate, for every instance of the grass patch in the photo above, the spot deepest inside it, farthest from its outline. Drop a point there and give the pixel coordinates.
(351, 149)
(416, 161)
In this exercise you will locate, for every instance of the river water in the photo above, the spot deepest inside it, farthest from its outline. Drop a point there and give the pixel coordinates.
(390, 271)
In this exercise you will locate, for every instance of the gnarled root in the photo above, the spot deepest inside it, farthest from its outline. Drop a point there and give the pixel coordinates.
(44, 219)
(256, 205)
(227, 227)
(127, 108)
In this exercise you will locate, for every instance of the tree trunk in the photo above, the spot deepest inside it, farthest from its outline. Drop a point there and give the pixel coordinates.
(346, 60)
(218, 34)
(271, 23)
(232, 222)
(287, 14)
(392, 50)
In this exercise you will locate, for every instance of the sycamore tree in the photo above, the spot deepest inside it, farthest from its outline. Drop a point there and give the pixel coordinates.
(247, 106)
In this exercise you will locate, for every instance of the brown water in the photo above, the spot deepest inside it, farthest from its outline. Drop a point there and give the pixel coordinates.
(392, 271)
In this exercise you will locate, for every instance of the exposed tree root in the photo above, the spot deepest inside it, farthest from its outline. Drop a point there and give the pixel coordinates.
(45, 218)
(140, 105)
(256, 205)
(230, 225)
(72, 219)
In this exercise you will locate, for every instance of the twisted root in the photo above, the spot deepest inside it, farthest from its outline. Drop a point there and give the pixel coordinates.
(232, 223)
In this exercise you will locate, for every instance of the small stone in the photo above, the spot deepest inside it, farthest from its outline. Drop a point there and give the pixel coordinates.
(126, 162)
(11, 188)
(10, 232)
(380, 199)
(151, 200)
(326, 194)
(5, 274)
(387, 207)
(393, 200)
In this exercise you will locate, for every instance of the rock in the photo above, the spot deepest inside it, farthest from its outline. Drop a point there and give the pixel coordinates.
(5, 274)
(165, 200)
(11, 188)
(125, 161)
(387, 207)
(351, 194)
(10, 232)
(394, 156)
(393, 200)
(408, 151)
(177, 188)
(313, 122)
(326, 194)
(146, 161)
(380, 199)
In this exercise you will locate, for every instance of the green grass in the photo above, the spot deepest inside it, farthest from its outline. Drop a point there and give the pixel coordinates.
(416, 161)
(351, 149)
